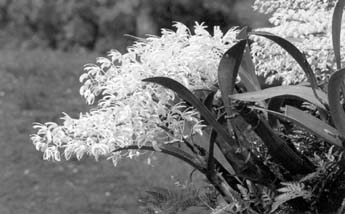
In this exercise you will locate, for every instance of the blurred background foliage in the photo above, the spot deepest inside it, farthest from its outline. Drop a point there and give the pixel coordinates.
(100, 25)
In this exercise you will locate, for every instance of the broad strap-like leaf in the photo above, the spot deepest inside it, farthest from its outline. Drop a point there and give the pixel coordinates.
(334, 98)
(188, 96)
(209, 100)
(228, 70)
(310, 123)
(243, 33)
(313, 124)
(295, 91)
(295, 53)
(210, 160)
(336, 28)
(173, 151)
(248, 77)
(244, 163)
(274, 104)
(247, 68)
(277, 147)
(227, 74)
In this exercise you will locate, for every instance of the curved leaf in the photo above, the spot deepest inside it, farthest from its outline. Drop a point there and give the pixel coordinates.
(228, 70)
(248, 76)
(277, 147)
(247, 68)
(209, 100)
(310, 123)
(227, 74)
(334, 97)
(188, 96)
(336, 28)
(295, 53)
(244, 163)
(243, 33)
(210, 159)
(301, 92)
(313, 124)
(274, 104)
(170, 150)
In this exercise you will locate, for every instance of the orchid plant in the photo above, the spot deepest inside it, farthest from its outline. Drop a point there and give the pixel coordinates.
(191, 88)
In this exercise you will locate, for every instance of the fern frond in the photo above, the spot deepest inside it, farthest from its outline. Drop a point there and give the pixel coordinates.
(291, 187)
(311, 176)
(231, 208)
(244, 192)
(291, 190)
(253, 191)
(173, 200)
(267, 198)
(159, 193)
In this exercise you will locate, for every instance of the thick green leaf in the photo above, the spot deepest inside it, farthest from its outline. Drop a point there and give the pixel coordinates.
(274, 104)
(173, 151)
(247, 68)
(188, 96)
(209, 100)
(295, 91)
(277, 147)
(248, 76)
(243, 33)
(216, 162)
(296, 54)
(228, 70)
(336, 28)
(227, 73)
(313, 124)
(210, 159)
(334, 98)
(244, 163)
(310, 123)
(204, 141)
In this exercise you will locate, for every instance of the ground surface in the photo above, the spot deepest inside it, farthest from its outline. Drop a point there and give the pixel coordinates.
(37, 86)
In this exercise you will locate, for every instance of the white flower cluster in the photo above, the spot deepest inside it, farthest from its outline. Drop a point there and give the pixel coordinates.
(129, 111)
(305, 23)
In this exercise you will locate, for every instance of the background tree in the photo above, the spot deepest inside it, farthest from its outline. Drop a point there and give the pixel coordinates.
(102, 24)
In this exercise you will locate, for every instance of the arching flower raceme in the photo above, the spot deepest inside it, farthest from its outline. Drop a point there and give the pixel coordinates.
(131, 112)
(305, 23)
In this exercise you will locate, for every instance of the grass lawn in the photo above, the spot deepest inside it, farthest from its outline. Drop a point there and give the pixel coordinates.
(36, 86)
